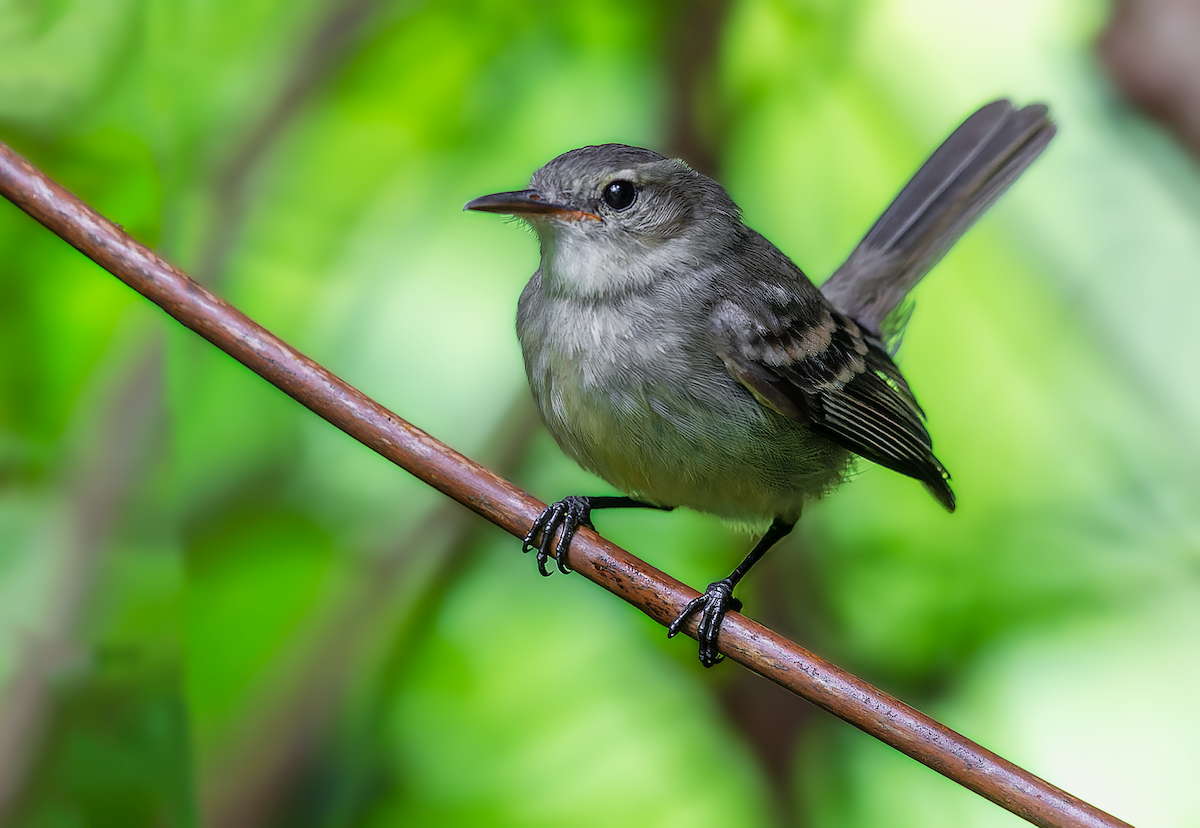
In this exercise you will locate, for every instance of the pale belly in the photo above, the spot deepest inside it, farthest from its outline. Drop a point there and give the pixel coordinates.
(708, 445)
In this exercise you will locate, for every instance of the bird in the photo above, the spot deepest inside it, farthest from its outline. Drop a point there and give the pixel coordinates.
(679, 355)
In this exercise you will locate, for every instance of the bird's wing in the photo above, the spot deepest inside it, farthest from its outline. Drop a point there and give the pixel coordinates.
(820, 368)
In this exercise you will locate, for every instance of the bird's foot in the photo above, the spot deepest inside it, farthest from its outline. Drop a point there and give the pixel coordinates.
(713, 605)
(568, 514)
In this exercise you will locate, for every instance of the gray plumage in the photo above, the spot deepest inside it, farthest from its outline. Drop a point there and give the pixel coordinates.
(683, 358)
(622, 350)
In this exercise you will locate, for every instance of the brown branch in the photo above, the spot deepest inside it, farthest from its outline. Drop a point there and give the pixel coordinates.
(658, 595)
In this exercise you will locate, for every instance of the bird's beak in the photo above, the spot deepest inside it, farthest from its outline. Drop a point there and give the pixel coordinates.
(527, 203)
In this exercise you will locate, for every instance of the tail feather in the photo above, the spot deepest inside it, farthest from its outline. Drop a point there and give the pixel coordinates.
(966, 174)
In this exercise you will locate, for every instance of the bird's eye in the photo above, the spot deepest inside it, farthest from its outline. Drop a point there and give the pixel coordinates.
(620, 195)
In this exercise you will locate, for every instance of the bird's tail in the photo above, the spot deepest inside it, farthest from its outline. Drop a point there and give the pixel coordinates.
(959, 181)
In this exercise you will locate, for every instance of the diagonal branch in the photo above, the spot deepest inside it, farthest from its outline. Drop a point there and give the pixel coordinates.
(658, 595)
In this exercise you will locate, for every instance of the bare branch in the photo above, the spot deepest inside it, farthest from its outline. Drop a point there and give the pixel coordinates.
(658, 595)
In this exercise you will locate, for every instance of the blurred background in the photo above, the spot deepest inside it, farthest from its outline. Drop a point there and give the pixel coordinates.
(217, 610)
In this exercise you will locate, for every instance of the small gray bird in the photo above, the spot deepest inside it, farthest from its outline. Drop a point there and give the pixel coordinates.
(682, 357)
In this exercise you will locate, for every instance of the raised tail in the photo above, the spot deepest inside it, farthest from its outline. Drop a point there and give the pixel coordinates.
(959, 181)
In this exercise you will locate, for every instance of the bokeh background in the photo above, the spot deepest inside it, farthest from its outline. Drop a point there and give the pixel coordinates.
(217, 610)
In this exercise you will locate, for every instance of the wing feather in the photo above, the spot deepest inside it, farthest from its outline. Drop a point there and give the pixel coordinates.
(848, 389)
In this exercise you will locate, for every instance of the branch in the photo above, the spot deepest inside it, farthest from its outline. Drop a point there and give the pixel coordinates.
(658, 595)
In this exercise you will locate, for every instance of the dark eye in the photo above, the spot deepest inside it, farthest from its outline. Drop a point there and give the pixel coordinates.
(620, 195)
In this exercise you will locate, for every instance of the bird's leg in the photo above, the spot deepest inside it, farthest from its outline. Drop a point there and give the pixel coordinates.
(569, 514)
(718, 599)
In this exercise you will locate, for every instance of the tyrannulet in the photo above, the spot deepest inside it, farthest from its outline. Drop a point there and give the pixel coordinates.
(682, 357)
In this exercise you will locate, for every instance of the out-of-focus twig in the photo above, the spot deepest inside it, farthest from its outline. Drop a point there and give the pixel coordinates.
(95, 490)
(254, 778)
(696, 119)
(339, 28)
(1149, 49)
(691, 44)
(102, 479)
(658, 595)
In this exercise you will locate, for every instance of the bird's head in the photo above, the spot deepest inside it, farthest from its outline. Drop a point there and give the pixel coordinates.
(612, 217)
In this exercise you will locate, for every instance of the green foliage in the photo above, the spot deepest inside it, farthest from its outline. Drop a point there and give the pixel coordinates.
(216, 609)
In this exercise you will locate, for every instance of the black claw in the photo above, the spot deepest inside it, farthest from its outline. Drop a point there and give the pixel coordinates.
(568, 515)
(713, 605)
